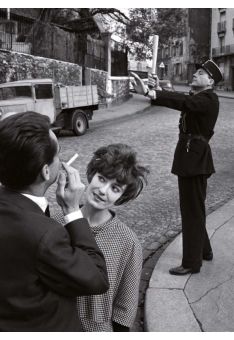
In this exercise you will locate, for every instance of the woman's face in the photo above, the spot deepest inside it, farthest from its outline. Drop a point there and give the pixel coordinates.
(102, 193)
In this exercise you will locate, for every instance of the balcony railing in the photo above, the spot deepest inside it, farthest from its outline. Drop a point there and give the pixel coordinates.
(223, 50)
(9, 41)
(221, 27)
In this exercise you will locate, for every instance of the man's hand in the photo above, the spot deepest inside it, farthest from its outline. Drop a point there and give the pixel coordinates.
(138, 84)
(70, 190)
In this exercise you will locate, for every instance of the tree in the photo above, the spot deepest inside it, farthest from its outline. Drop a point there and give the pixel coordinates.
(81, 21)
(168, 23)
(63, 15)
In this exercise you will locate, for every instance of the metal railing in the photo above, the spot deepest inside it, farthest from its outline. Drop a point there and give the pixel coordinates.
(10, 41)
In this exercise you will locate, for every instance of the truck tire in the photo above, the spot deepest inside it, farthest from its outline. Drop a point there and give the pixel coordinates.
(79, 122)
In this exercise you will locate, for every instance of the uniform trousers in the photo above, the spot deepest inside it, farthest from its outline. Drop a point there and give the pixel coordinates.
(192, 193)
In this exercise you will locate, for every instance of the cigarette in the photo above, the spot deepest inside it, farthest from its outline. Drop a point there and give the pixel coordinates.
(72, 159)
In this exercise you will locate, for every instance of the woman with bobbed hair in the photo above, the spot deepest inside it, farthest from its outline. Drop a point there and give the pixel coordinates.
(114, 177)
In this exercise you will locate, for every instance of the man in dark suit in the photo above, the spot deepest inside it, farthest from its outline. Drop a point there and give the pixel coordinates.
(193, 162)
(43, 265)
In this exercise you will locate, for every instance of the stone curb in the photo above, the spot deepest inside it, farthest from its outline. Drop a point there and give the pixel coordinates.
(167, 307)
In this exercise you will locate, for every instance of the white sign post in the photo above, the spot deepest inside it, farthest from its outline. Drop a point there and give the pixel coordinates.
(155, 54)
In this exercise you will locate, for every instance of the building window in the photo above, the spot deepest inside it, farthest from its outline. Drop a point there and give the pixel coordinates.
(173, 51)
(163, 52)
(169, 49)
(177, 69)
(159, 53)
(221, 44)
(181, 48)
(221, 27)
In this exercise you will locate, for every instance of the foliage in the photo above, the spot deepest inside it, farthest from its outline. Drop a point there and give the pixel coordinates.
(168, 23)
(136, 29)
(63, 15)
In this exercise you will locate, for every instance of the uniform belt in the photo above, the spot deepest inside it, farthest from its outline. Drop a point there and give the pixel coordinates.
(190, 136)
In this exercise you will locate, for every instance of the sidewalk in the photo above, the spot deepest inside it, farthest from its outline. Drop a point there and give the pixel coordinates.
(202, 302)
(220, 93)
(135, 104)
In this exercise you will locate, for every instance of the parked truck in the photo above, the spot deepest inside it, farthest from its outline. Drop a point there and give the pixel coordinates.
(68, 107)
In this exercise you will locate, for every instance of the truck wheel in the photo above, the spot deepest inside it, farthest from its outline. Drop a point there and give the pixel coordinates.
(79, 123)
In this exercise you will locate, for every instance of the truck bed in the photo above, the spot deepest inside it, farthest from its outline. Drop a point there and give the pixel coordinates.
(76, 96)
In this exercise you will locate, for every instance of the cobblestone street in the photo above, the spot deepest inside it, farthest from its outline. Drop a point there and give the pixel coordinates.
(155, 216)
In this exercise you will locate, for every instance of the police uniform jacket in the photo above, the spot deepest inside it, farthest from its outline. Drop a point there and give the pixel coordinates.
(199, 113)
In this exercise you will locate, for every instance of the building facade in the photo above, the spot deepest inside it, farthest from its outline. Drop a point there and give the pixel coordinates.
(222, 44)
(180, 55)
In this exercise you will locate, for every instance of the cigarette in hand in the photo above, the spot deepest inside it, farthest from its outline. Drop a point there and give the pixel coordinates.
(72, 159)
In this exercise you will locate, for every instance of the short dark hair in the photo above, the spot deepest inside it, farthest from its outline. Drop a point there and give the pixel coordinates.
(119, 161)
(25, 147)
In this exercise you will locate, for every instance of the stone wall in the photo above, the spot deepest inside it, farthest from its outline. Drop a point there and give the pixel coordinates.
(120, 89)
(99, 78)
(53, 42)
(18, 66)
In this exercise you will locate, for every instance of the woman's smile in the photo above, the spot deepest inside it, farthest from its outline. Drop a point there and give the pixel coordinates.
(97, 197)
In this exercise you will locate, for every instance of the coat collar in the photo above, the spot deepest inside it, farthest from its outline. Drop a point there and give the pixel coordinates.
(20, 201)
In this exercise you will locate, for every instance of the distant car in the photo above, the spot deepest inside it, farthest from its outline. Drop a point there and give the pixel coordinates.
(165, 84)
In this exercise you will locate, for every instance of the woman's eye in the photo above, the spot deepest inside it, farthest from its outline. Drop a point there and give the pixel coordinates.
(101, 179)
(116, 189)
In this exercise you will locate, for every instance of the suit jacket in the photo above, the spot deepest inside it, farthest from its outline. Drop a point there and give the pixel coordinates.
(198, 117)
(43, 267)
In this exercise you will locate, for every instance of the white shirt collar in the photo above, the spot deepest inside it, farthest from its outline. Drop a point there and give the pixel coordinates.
(40, 201)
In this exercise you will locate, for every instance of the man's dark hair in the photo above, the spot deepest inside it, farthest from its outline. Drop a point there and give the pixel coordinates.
(118, 161)
(25, 147)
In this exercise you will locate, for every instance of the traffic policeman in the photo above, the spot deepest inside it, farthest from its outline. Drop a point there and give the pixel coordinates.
(193, 163)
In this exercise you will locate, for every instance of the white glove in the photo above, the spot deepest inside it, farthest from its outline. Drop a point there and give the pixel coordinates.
(138, 84)
(153, 82)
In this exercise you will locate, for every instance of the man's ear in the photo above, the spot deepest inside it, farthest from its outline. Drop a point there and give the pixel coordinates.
(45, 172)
(211, 81)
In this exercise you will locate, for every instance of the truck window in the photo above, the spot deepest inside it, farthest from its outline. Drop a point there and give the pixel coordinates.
(15, 92)
(43, 91)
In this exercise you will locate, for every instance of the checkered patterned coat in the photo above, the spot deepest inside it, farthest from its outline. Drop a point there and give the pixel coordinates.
(123, 255)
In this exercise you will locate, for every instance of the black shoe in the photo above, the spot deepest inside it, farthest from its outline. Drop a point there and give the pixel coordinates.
(183, 271)
(208, 256)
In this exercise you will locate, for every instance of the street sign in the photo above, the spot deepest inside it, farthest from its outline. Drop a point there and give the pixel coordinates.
(161, 65)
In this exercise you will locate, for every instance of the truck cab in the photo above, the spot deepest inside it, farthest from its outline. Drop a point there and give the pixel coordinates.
(28, 95)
